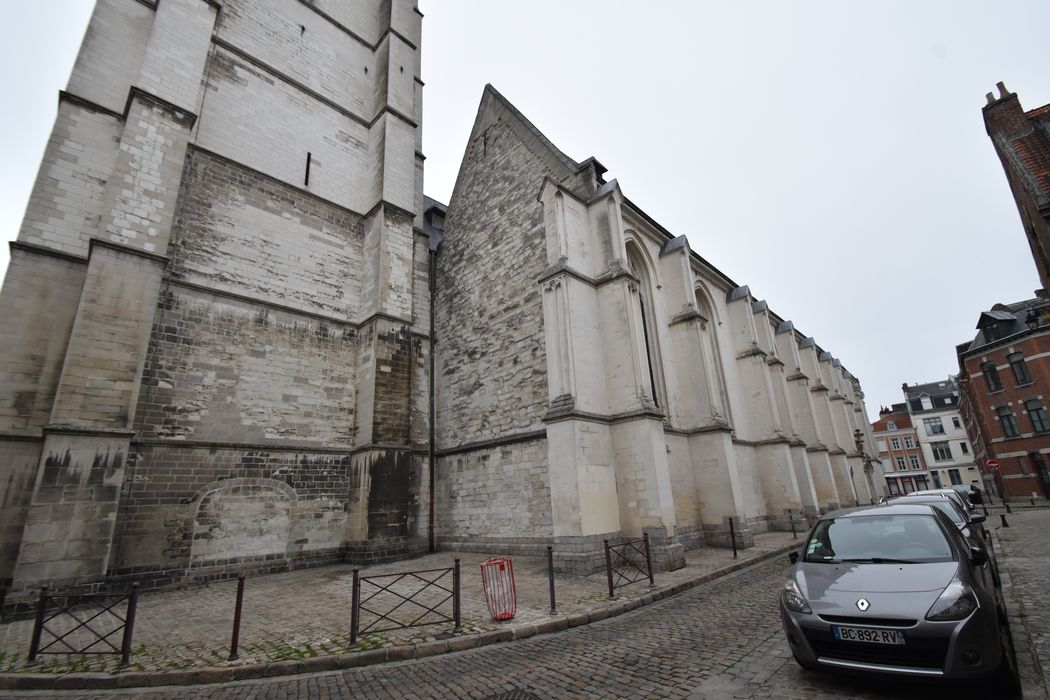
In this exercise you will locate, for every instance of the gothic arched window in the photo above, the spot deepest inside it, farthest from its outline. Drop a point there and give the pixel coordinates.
(648, 310)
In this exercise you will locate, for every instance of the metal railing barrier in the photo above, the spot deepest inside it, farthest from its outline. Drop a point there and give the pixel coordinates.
(627, 563)
(84, 624)
(403, 600)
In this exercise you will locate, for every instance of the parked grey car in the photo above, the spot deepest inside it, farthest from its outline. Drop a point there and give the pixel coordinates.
(894, 589)
(958, 498)
(969, 523)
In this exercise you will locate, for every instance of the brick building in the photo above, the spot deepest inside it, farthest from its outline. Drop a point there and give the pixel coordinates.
(1005, 379)
(903, 464)
(222, 353)
(1022, 141)
(1004, 372)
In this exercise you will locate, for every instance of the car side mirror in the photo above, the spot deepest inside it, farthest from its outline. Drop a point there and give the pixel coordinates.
(978, 556)
(793, 556)
(977, 518)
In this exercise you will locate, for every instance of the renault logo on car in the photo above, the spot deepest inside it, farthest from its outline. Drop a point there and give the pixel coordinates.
(863, 604)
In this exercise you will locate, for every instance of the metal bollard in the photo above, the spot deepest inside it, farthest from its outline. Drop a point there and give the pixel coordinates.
(129, 626)
(1002, 516)
(648, 559)
(38, 627)
(791, 515)
(550, 577)
(608, 567)
(1007, 504)
(457, 613)
(235, 641)
(985, 509)
(732, 535)
(355, 602)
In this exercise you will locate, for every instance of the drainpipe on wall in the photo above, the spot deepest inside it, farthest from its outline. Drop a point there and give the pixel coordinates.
(433, 412)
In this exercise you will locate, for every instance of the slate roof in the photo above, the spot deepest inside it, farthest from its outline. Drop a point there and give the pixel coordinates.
(941, 388)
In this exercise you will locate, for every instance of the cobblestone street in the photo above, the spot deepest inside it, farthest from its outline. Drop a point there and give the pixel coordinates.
(305, 614)
(720, 640)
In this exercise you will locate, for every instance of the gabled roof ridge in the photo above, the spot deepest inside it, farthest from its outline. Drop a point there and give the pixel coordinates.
(523, 121)
(1038, 112)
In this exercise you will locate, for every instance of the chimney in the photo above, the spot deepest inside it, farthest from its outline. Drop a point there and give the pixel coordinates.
(1004, 115)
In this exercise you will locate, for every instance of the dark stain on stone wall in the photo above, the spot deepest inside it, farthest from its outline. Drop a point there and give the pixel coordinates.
(390, 503)
(63, 469)
(392, 386)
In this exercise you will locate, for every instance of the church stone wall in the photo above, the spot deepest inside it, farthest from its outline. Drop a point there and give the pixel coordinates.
(224, 370)
(242, 232)
(217, 309)
(491, 367)
(20, 458)
(67, 198)
(296, 41)
(35, 343)
(111, 53)
(187, 505)
(495, 494)
(491, 370)
(296, 124)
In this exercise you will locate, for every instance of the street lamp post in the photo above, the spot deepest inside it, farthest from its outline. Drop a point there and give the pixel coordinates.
(858, 440)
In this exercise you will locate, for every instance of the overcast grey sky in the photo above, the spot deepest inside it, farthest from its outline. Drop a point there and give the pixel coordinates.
(830, 155)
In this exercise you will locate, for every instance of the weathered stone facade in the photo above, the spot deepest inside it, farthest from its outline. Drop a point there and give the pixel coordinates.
(595, 378)
(219, 314)
(216, 316)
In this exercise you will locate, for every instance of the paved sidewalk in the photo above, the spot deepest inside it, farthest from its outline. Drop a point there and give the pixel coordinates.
(1024, 559)
(300, 621)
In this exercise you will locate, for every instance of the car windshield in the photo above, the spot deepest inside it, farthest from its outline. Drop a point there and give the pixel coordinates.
(890, 539)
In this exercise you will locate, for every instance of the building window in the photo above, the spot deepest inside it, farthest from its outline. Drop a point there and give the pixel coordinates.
(965, 448)
(1038, 416)
(895, 443)
(900, 464)
(908, 442)
(955, 422)
(933, 426)
(991, 376)
(953, 474)
(926, 402)
(1006, 419)
(646, 306)
(895, 489)
(1017, 364)
(942, 451)
(915, 462)
(890, 425)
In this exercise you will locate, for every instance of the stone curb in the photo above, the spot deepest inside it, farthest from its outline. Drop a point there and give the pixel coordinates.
(1027, 660)
(337, 662)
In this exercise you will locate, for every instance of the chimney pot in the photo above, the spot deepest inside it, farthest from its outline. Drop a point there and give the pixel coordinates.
(1003, 92)
(991, 98)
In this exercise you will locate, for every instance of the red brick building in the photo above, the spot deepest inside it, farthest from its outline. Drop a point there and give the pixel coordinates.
(1004, 387)
(1004, 373)
(1022, 141)
(902, 460)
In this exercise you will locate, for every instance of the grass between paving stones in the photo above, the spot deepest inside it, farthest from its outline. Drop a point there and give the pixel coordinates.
(183, 658)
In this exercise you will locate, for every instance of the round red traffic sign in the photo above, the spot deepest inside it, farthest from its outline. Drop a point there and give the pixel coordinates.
(992, 464)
